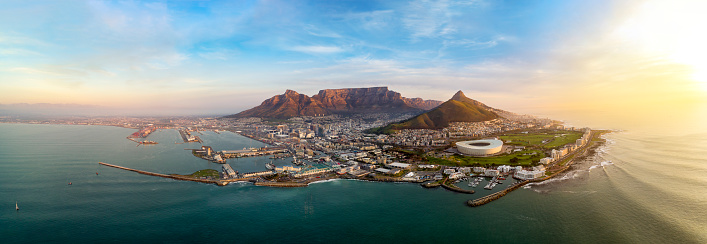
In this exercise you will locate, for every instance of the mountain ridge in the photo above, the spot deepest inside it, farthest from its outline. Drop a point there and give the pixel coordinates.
(336, 101)
(459, 108)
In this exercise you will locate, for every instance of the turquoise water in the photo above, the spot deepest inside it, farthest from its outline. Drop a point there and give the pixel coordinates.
(639, 189)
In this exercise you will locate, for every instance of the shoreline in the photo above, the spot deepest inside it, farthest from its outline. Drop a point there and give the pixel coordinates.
(576, 156)
(560, 167)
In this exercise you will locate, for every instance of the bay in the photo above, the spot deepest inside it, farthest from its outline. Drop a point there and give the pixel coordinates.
(638, 188)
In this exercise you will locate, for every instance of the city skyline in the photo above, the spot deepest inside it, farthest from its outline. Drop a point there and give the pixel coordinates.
(595, 57)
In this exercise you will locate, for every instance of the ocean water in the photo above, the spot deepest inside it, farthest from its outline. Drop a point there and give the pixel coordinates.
(637, 189)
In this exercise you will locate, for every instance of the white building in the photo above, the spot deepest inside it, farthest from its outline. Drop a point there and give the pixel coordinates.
(480, 147)
(456, 175)
(399, 165)
(504, 168)
(529, 175)
(491, 172)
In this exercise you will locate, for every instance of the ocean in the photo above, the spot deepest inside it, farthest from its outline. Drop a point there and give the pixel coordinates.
(638, 188)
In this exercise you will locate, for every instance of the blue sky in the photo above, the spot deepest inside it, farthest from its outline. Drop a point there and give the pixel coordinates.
(226, 56)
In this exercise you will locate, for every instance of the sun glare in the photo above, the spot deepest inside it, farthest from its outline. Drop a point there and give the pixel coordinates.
(674, 30)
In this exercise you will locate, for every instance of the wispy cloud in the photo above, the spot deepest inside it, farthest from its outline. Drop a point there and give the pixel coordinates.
(218, 53)
(425, 18)
(313, 30)
(317, 49)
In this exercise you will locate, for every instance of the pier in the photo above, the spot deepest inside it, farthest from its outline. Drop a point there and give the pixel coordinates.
(254, 152)
(176, 177)
(494, 196)
(245, 177)
(187, 137)
(281, 184)
(455, 188)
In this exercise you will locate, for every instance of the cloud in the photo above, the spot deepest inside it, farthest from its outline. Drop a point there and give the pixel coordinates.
(218, 53)
(313, 30)
(17, 52)
(372, 20)
(317, 49)
(426, 18)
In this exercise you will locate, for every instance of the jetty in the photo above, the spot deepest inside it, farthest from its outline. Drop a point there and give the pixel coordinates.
(281, 184)
(489, 198)
(176, 177)
(455, 188)
(219, 182)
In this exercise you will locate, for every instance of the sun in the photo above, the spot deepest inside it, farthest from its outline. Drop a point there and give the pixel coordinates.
(673, 30)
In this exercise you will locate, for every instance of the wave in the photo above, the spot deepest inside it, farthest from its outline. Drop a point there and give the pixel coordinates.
(567, 176)
(601, 164)
(322, 181)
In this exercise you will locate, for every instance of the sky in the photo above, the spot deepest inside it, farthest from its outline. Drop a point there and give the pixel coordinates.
(588, 58)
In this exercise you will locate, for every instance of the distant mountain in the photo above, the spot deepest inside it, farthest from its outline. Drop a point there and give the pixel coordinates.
(337, 101)
(457, 109)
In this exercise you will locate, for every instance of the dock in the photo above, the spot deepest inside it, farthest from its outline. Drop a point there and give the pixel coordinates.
(254, 152)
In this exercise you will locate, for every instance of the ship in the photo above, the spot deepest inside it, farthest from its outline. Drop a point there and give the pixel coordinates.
(148, 142)
(270, 166)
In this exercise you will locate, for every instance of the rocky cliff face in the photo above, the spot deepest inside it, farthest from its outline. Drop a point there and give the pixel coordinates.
(354, 100)
(337, 101)
(286, 105)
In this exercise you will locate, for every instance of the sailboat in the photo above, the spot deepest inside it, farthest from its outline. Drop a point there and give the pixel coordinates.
(16, 207)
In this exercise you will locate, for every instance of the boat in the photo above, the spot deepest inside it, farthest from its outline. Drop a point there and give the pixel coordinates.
(270, 166)
(16, 207)
(69, 182)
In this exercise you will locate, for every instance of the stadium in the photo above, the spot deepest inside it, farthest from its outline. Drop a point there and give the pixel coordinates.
(480, 147)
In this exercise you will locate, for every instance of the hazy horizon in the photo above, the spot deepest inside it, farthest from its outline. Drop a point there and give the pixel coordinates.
(572, 60)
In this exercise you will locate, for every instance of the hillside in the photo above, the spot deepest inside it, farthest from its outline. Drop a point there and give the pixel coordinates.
(457, 109)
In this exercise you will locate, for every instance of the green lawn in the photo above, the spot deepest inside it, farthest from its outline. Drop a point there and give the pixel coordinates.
(459, 160)
(554, 138)
(563, 139)
(206, 172)
(526, 139)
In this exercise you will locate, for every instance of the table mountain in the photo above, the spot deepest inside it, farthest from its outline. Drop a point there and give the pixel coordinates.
(337, 101)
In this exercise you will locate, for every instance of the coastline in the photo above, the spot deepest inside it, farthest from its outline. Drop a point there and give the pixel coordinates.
(589, 150)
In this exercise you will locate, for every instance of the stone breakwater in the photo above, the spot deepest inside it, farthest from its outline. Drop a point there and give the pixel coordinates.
(176, 177)
(281, 184)
(455, 188)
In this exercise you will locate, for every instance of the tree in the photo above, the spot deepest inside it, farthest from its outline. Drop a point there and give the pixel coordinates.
(514, 160)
